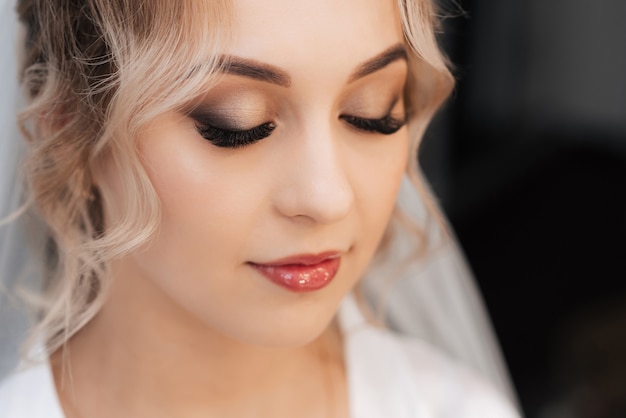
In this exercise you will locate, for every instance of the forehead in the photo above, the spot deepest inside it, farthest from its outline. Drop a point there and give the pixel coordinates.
(308, 35)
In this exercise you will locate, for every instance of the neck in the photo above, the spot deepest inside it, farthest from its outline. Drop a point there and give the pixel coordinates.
(148, 355)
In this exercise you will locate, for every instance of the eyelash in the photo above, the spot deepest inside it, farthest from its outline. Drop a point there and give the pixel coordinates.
(227, 138)
(386, 125)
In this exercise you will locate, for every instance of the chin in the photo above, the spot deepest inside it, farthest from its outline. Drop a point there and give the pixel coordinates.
(282, 327)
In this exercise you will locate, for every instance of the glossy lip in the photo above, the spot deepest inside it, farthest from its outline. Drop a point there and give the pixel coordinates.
(303, 272)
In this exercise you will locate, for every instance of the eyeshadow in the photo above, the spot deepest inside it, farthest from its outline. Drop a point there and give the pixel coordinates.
(231, 114)
(219, 118)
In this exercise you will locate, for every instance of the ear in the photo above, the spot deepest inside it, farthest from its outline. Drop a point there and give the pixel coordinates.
(108, 186)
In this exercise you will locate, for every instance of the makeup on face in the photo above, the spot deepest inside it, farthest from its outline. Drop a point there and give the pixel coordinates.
(298, 148)
(232, 116)
(373, 104)
(301, 273)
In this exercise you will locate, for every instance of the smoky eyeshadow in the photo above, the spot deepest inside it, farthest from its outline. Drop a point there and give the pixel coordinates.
(390, 110)
(234, 109)
(363, 107)
(222, 119)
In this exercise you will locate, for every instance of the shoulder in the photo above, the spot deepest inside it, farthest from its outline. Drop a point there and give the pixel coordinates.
(29, 393)
(397, 376)
(447, 388)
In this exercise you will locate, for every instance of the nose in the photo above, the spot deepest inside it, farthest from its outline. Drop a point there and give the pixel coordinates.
(314, 180)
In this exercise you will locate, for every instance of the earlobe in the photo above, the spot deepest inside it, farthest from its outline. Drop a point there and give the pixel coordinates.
(101, 168)
(96, 211)
(97, 170)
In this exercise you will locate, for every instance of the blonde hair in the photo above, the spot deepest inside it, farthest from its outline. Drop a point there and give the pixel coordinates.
(95, 72)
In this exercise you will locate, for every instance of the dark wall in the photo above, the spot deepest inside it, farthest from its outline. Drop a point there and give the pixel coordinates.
(529, 161)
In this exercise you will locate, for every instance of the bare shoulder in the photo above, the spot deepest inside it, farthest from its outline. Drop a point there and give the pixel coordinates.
(452, 389)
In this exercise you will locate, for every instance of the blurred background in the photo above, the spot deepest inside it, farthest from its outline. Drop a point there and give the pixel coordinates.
(528, 159)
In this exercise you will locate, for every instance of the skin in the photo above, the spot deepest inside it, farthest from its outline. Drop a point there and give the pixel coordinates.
(189, 328)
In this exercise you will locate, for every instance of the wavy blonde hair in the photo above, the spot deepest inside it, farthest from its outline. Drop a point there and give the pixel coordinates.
(95, 72)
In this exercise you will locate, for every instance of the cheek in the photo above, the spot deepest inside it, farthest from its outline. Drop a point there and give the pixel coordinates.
(212, 203)
(199, 204)
(376, 190)
(379, 180)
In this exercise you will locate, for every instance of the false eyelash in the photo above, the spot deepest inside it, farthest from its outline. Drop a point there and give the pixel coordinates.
(386, 125)
(228, 138)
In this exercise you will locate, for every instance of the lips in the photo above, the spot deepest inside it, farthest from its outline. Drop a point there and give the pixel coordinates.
(302, 273)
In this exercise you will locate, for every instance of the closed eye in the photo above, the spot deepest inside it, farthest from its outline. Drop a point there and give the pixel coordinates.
(232, 138)
(235, 138)
(386, 125)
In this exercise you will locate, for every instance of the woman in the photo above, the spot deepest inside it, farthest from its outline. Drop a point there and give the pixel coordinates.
(216, 177)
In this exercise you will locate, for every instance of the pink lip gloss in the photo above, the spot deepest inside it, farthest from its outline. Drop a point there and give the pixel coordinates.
(301, 273)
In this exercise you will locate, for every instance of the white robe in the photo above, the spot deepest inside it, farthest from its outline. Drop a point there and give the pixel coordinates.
(389, 376)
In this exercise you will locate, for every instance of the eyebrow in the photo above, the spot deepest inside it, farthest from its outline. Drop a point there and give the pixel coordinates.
(380, 61)
(271, 74)
(256, 70)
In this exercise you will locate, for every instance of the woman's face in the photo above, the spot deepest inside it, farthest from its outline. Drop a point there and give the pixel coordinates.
(297, 152)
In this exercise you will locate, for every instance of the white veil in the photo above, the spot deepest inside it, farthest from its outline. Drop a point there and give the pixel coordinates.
(13, 255)
(436, 299)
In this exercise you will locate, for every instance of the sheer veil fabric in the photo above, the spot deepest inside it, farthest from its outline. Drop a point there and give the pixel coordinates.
(435, 299)
(14, 251)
